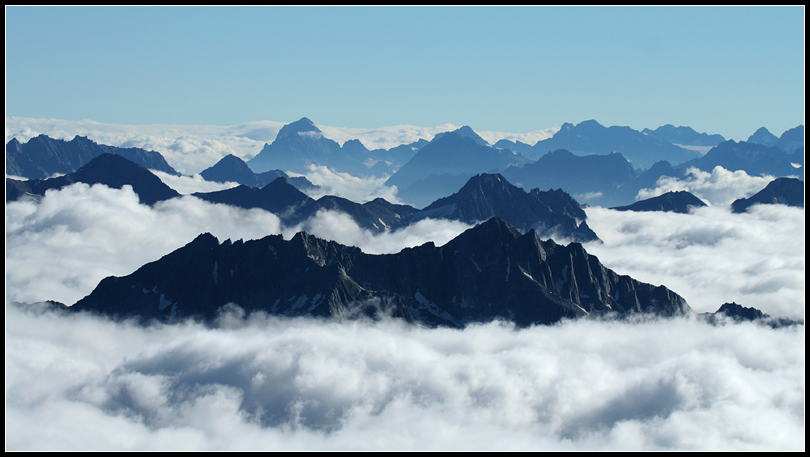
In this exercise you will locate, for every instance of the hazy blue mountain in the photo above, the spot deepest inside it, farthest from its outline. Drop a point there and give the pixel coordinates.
(521, 148)
(43, 156)
(491, 271)
(112, 170)
(755, 159)
(490, 195)
(301, 144)
(292, 206)
(676, 202)
(450, 154)
(399, 155)
(764, 137)
(683, 135)
(783, 191)
(233, 169)
(590, 137)
(792, 139)
(465, 132)
(592, 179)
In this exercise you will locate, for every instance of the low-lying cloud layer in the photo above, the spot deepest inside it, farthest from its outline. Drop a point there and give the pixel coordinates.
(710, 256)
(718, 188)
(83, 383)
(76, 382)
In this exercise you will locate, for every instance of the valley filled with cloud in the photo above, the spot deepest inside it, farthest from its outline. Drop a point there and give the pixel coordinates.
(308, 384)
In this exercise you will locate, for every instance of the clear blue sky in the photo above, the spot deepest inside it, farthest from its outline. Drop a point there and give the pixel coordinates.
(719, 70)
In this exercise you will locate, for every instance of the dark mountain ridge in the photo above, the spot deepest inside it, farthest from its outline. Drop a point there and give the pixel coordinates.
(292, 206)
(112, 170)
(43, 156)
(490, 195)
(676, 202)
(490, 271)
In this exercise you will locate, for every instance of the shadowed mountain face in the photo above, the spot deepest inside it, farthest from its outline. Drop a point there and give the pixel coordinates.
(490, 271)
(43, 156)
(292, 206)
(109, 169)
(783, 191)
(490, 195)
(233, 169)
(732, 312)
(675, 202)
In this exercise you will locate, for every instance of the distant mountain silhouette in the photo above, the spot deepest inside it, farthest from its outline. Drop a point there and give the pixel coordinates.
(577, 175)
(792, 140)
(112, 170)
(43, 156)
(292, 206)
(755, 159)
(590, 137)
(301, 144)
(675, 202)
(784, 191)
(452, 154)
(683, 135)
(491, 271)
(764, 137)
(233, 169)
(490, 195)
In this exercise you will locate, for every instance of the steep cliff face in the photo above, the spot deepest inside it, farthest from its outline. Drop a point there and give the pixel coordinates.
(490, 271)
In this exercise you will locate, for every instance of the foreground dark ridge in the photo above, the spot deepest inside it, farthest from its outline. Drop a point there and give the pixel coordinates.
(490, 271)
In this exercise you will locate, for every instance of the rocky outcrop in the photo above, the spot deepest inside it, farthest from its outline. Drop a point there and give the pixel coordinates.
(783, 191)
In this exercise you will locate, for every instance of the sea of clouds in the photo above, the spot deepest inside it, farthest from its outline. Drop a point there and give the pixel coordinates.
(79, 382)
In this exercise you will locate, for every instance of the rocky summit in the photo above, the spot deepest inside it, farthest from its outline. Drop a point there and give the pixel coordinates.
(491, 271)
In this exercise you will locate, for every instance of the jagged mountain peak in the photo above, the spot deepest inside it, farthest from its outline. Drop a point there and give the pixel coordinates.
(302, 127)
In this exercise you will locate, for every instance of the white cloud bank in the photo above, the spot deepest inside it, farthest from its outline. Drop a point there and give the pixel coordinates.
(83, 383)
(719, 188)
(710, 256)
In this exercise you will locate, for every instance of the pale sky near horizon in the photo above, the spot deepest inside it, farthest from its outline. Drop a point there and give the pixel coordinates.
(726, 70)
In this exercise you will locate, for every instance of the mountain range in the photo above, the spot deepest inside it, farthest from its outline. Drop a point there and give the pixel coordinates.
(490, 195)
(491, 271)
(43, 156)
(233, 169)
